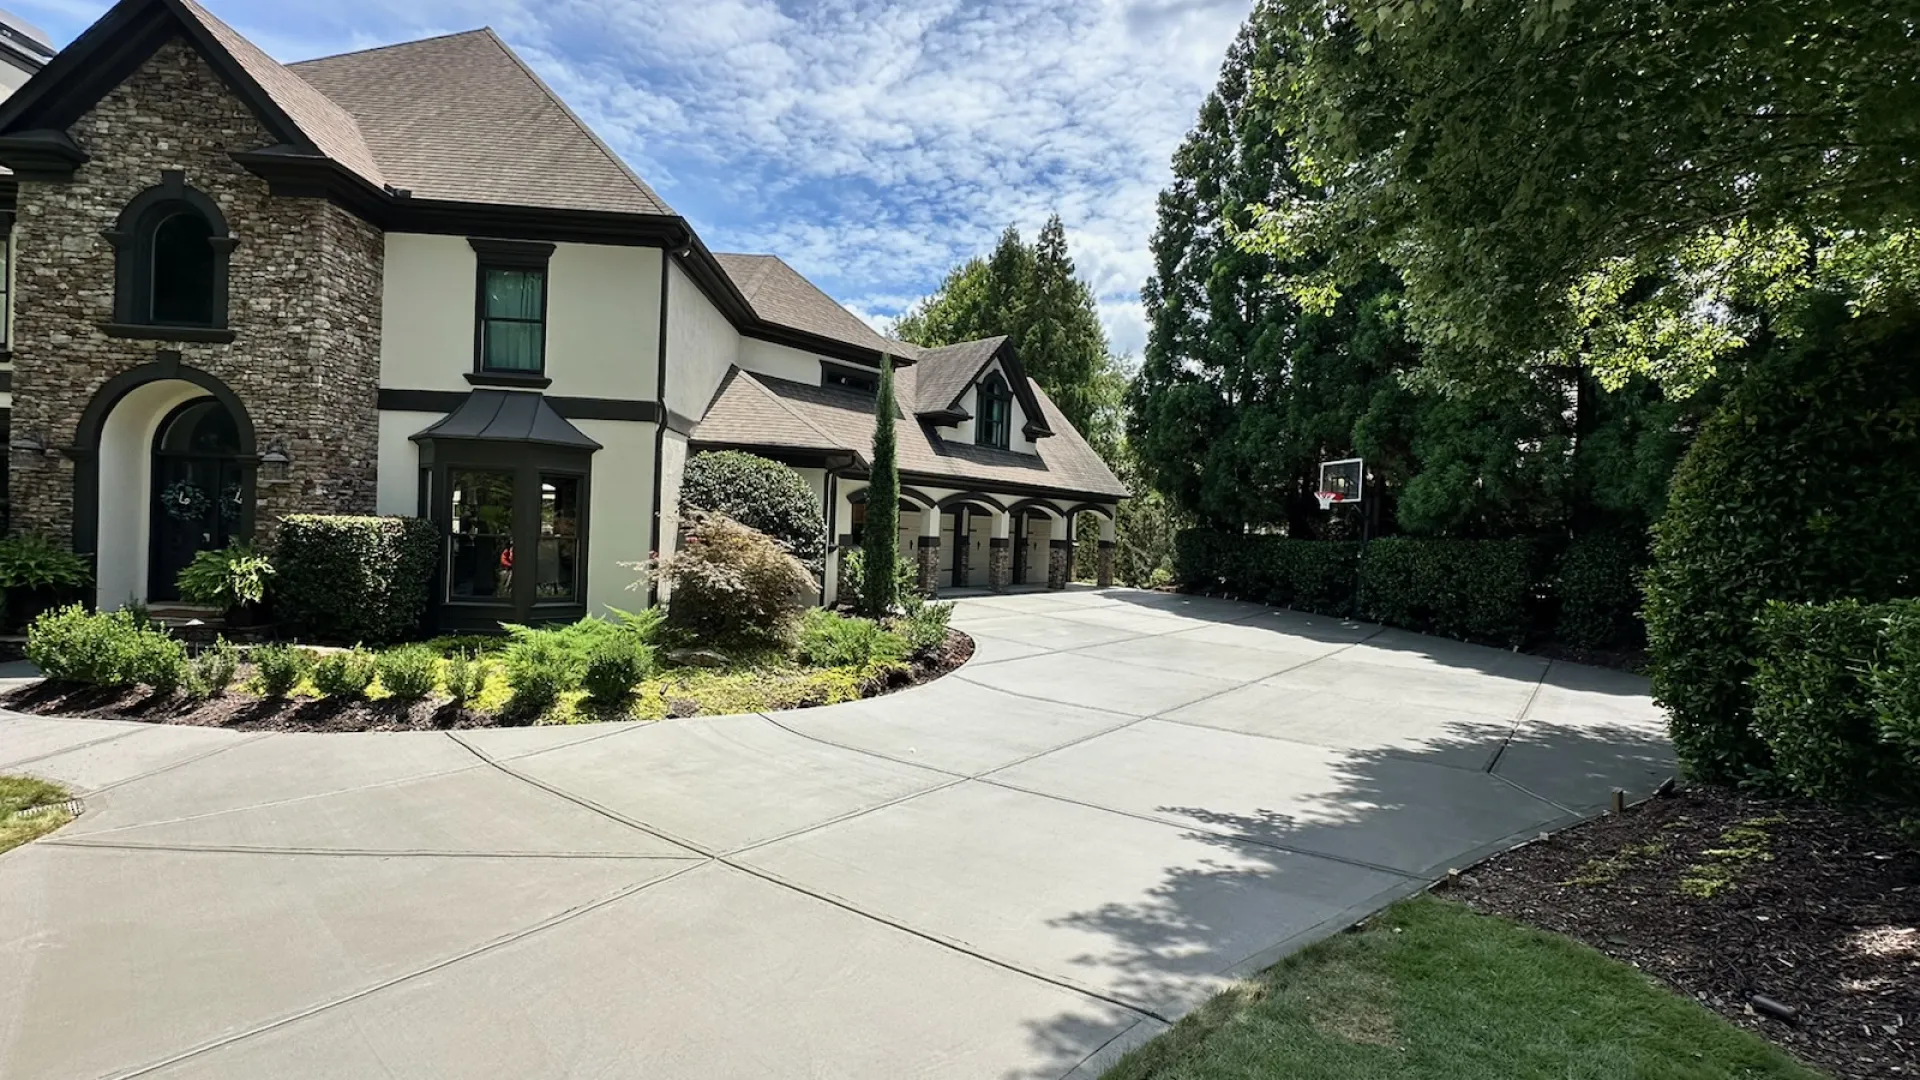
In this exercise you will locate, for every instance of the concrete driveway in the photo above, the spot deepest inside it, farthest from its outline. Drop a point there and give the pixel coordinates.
(1124, 799)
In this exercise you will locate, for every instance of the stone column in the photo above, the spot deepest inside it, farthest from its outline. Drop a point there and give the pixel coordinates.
(1000, 552)
(929, 553)
(999, 563)
(840, 569)
(1106, 551)
(1059, 547)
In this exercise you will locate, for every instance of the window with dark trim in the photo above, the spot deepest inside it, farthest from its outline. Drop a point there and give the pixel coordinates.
(515, 518)
(993, 416)
(864, 382)
(171, 247)
(510, 333)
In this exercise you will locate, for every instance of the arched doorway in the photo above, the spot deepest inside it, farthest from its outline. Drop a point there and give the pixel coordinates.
(198, 490)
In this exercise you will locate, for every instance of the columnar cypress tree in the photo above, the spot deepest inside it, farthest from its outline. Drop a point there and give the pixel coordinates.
(881, 544)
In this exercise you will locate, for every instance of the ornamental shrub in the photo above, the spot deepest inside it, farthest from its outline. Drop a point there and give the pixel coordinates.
(1812, 700)
(111, 648)
(615, 665)
(828, 639)
(213, 669)
(279, 668)
(228, 578)
(345, 674)
(541, 665)
(1894, 686)
(349, 578)
(466, 676)
(152, 658)
(922, 623)
(760, 494)
(36, 573)
(1596, 581)
(409, 672)
(1802, 487)
(853, 577)
(731, 584)
(1479, 589)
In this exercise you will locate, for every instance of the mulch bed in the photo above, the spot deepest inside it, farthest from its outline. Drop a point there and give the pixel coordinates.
(244, 712)
(1815, 908)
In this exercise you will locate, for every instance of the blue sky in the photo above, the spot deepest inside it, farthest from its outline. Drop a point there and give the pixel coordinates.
(871, 145)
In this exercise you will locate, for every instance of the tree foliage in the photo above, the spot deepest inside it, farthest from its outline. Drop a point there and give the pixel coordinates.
(1032, 294)
(1632, 184)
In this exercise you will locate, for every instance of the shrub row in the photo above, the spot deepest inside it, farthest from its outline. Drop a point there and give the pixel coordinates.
(1836, 698)
(1317, 576)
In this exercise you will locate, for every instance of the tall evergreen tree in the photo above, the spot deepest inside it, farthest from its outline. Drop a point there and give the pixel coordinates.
(881, 542)
(1033, 294)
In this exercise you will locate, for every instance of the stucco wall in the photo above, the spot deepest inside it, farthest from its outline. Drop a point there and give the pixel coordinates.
(701, 346)
(780, 361)
(304, 283)
(603, 317)
(620, 512)
(963, 431)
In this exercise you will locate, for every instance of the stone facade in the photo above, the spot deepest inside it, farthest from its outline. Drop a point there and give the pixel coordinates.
(1057, 552)
(962, 558)
(999, 563)
(930, 566)
(1106, 564)
(303, 300)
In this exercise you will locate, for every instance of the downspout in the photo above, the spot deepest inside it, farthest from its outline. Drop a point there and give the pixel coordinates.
(661, 420)
(831, 512)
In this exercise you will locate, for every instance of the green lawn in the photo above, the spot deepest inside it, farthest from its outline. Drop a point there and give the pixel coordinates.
(1431, 991)
(18, 793)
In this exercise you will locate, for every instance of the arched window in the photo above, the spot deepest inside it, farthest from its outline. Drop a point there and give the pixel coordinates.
(171, 247)
(993, 418)
(180, 271)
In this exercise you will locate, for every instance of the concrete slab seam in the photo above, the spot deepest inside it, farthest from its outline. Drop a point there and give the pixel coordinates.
(585, 803)
(356, 853)
(1102, 1048)
(25, 761)
(1520, 717)
(518, 935)
(170, 766)
(277, 802)
(621, 727)
(1523, 789)
(1044, 650)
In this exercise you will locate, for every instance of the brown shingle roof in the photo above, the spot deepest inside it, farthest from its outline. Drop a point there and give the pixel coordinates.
(462, 118)
(831, 419)
(947, 371)
(779, 295)
(329, 126)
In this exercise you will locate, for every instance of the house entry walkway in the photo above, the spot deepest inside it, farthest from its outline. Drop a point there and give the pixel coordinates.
(1122, 801)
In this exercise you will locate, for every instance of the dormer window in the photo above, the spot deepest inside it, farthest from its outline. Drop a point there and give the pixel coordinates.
(993, 416)
(170, 281)
(844, 378)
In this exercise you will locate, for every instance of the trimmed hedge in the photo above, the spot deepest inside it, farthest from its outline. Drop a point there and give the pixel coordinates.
(1596, 582)
(1801, 488)
(1320, 576)
(1461, 588)
(1833, 690)
(761, 494)
(345, 578)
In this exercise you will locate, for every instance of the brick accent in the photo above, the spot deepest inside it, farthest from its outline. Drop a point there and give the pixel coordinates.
(962, 557)
(930, 566)
(1057, 552)
(999, 563)
(304, 299)
(1106, 564)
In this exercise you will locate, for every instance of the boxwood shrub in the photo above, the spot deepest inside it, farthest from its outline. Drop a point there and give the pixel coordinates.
(1311, 575)
(1823, 677)
(1480, 589)
(345, 578)
(1799, 488)
(760, 494)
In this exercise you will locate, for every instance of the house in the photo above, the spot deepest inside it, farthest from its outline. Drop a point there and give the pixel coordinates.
(410, 280)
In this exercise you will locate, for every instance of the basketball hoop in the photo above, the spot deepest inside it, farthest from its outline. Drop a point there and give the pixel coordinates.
(1328, 498)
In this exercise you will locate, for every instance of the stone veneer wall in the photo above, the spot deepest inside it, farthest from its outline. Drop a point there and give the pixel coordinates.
(304, 299)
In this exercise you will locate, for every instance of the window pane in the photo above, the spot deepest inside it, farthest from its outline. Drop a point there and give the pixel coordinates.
(183, 271)
(558, 563)
(513, 346)
(480, 553)
(514, 294)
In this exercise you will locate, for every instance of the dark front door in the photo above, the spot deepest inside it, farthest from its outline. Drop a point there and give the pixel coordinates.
(199, 491)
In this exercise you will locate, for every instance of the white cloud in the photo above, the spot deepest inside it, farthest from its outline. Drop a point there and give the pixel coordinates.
(872, 145)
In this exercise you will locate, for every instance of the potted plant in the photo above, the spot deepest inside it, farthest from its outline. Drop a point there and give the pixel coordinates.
(36, 575)
(233, 579)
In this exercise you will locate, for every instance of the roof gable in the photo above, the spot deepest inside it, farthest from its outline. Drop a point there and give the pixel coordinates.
(780, 296)
(462, 118)
(947, 374)
(300, 117)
